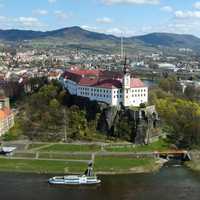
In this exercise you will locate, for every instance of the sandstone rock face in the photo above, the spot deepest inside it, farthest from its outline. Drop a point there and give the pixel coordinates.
(142, 122)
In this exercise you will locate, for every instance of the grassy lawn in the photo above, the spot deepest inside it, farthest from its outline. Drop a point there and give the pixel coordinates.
(160, 145)
(102, 164)
(35, 145)
(71, 148)
(25, 155)
(40, 166)
(63, 156)
(123, 164)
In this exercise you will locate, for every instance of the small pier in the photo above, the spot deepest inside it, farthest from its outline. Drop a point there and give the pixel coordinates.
(174, 154)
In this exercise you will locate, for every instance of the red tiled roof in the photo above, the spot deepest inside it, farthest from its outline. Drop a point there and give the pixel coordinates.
(87, 81)
(109, 83)
(96, 78)
(136, 82)
(2, 97)
(4, 113)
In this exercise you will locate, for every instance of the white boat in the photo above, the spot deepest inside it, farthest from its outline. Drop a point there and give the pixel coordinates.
(74, 180)
(89, 178)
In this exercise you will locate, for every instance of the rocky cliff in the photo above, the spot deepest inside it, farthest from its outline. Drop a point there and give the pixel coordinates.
(141, 123)
(137, 125)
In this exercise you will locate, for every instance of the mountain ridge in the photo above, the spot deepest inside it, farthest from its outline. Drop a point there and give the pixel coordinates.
(77, 36)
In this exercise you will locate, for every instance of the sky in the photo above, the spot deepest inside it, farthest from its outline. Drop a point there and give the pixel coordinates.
(117, 17)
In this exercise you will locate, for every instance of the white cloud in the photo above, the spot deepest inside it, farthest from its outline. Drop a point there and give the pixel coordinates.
(113, 31)
(62, 15)
(52, 1)
(187, 14)
(167, 9)
(21, 23)
(3, 18)
(28, 22)
(110, 2)
(104, 20)
(40, 12)
(197, 5)
(91, 28)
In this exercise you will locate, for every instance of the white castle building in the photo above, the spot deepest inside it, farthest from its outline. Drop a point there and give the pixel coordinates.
(108, 87)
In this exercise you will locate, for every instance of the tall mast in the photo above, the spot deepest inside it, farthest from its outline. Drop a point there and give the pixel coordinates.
(122, 47)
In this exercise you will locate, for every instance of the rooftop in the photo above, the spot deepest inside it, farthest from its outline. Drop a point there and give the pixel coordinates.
(101, 79)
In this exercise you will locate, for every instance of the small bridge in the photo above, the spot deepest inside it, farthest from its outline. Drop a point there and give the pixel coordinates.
(173, 154)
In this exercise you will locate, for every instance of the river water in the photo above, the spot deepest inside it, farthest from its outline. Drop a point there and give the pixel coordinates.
(170, 183)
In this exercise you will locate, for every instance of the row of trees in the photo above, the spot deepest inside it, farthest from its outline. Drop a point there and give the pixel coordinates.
(46, 118)
(179, 111)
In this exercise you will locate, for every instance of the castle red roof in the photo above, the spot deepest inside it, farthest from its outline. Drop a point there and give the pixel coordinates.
(109, 83)
(5, 113)
(96, 78)
(136, 83)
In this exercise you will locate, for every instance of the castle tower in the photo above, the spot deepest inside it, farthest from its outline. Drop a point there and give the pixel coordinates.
(126, 86)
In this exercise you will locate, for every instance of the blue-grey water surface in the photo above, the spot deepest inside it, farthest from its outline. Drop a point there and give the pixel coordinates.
(170, 183)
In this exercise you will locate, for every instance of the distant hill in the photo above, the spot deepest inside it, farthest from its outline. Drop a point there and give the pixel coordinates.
(76, 37)
(170, 40)
(71, 32)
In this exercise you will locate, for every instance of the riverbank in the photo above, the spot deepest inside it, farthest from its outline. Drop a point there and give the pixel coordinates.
(108, 165)
(193, 165)
(59, 158)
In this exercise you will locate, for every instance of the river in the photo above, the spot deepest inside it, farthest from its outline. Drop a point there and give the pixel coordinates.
(170, 183)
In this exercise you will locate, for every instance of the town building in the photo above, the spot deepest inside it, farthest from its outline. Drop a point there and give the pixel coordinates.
(104, 86)
(6, 115)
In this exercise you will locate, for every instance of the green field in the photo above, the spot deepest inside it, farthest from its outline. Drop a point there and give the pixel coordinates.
(40, 166)
(102, 165)
(35, 145)
(71, 148)
(25, 154)
(63, 156)
(123, 164)
(160, 145)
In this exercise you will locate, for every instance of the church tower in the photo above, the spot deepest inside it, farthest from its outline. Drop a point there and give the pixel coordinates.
(126, 85)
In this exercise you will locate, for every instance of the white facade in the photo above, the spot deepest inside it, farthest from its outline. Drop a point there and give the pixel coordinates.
(127, 95)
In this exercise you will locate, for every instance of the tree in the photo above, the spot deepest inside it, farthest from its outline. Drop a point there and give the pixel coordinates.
(169, 84)
(192, 93)
(184, 119)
